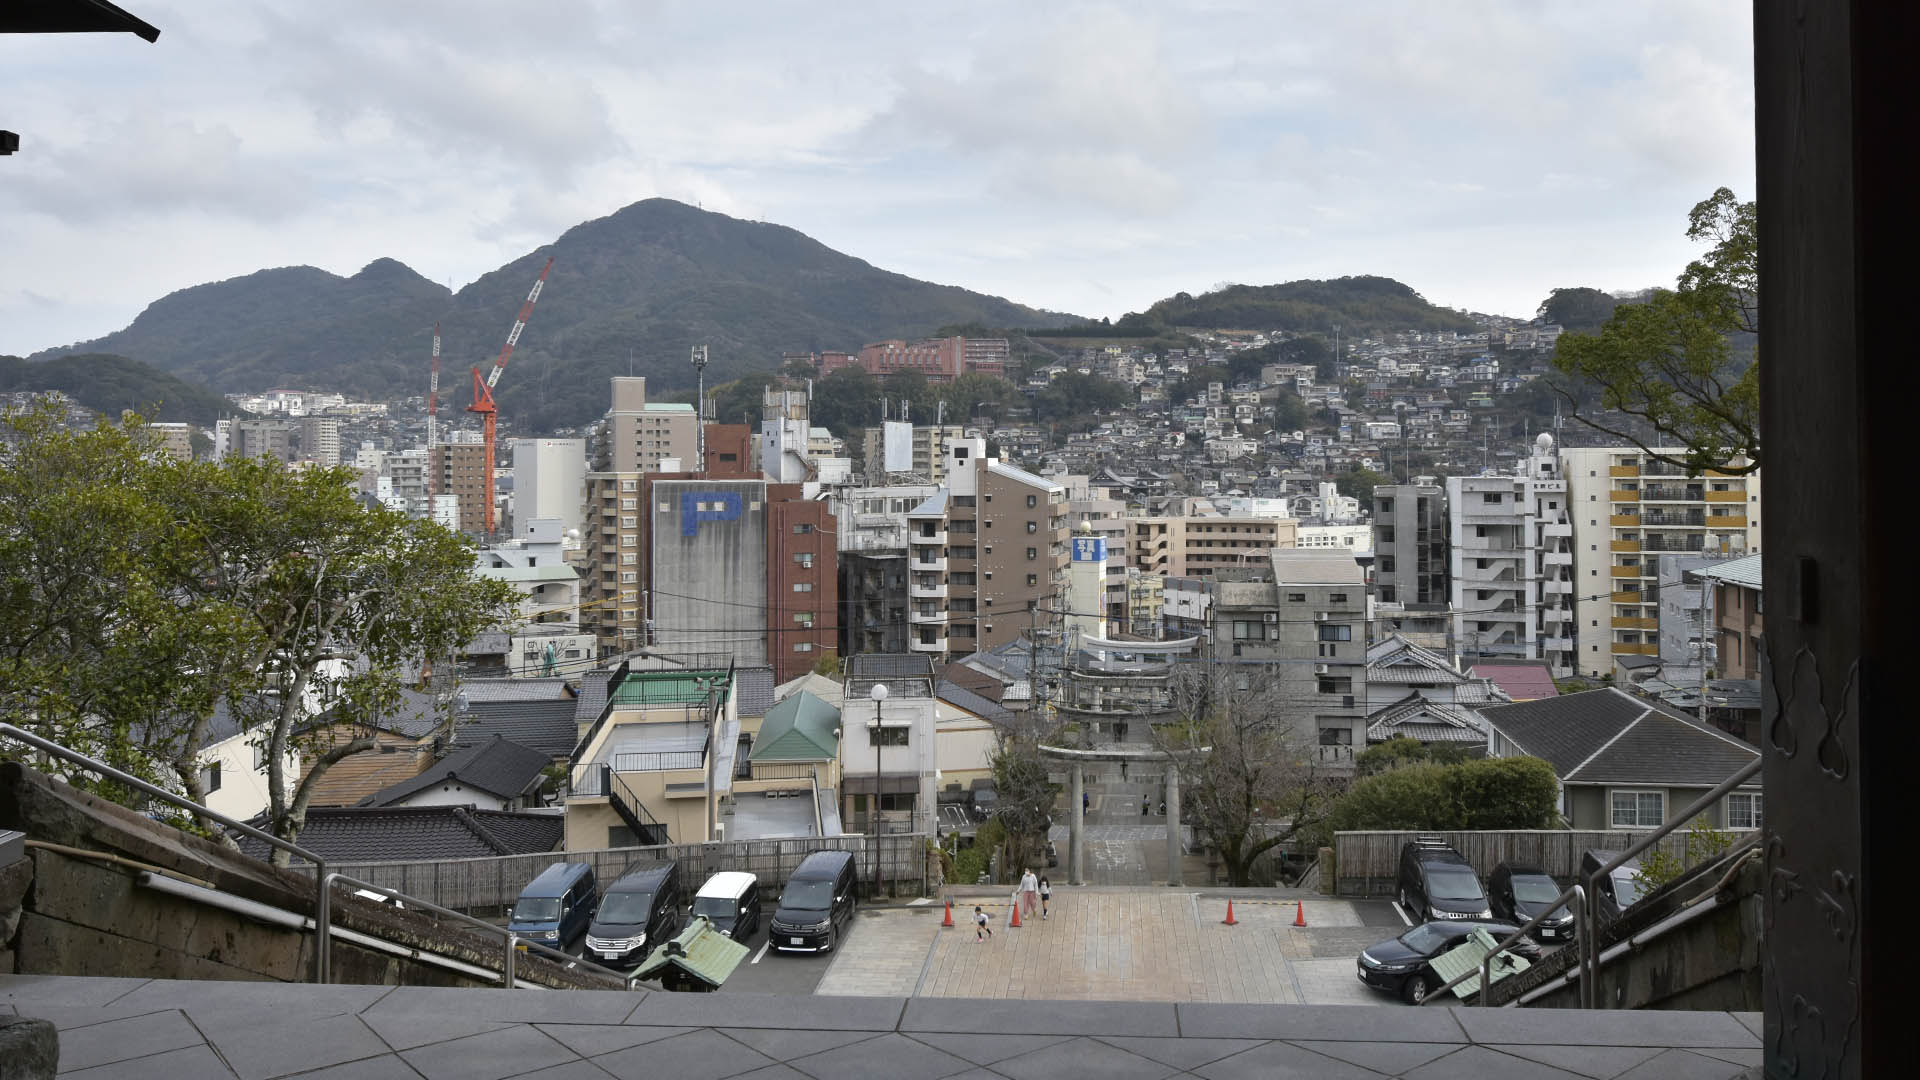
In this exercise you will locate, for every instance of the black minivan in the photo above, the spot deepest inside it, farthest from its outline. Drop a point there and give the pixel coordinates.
(639, 911)
(1437, 882)
(818, 901)
(556, 906)
(1518, 893)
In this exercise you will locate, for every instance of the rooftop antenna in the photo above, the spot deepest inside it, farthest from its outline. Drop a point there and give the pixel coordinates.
(700, 408)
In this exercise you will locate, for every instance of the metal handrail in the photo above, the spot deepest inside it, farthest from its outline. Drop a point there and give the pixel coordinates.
(1587, 960)
(323, 880)
(322, 941)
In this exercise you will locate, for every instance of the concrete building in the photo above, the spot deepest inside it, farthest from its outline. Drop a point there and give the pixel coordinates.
(549, 482)
(320, 439)
(742, 566)
(1303, 618)
(985, 550)
(929, 451)
(1199, 546)
(459, 469)
(1734, 601)
(891, 772)
(1686, 628)
(1629, 512)
(872, 536)
(640, 434)
(657, 763)
(941, 360)
(1410, 563)
(175, 439)
(407, 475)
(264, 438)
(1510, 563)
(536, 565)
(610, 579)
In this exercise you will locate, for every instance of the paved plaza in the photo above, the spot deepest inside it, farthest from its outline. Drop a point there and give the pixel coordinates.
(1116, 944)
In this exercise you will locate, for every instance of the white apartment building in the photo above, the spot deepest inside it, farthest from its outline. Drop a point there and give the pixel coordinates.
(1629, 512)
(1510, 549)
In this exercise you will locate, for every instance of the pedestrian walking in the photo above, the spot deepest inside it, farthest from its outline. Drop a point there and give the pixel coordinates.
(1086, 801)
(1046, 896)
(981, 931)
(1146, 806)
(1029, 892)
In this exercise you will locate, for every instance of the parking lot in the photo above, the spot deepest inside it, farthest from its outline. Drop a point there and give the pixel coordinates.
(1110, 944)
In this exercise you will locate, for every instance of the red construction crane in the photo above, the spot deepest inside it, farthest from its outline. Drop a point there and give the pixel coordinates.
(483, 390)
(433, 404)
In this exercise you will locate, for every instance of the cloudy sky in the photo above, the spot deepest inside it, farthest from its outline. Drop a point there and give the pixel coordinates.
(1087, 158)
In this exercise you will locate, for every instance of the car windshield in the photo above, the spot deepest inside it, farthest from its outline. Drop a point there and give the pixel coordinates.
(537, 909)
(808, 895)
(1427, 937)
(626, 907)
(716, 907)
(1453, 885)
(1535, 890)
(1625, 889)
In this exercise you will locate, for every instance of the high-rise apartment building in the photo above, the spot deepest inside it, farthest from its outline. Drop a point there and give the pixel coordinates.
(982, 552)
(1201, 546)
(1510, 568)
(610, 605)
(459, 469)
(640, 434)
(264, 438)
(929, 451)
(1630, 512)
(320, 439)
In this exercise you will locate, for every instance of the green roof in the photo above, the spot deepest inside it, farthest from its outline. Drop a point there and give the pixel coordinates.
(677, 687)
(701, 951)
(801, 728)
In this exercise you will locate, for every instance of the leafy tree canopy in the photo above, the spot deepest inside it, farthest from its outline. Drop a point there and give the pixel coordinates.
(114, 384)
(1488, 793)
(1679, 361)
(1578, 310)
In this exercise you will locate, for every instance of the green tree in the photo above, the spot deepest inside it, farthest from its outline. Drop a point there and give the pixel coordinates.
(846, 401)
(974, 393)
(1676, 363)
(912, 387)
(1359, 483)
(1402, 750)
(1578, 310)
(1289, 412)
(1488, 793)
(1026, 797)
(738, 402)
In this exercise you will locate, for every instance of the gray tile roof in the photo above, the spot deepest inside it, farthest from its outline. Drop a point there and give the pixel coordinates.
(546, 726)
(889, 666)
(516, 689)
(1611, 737)
(497, 767)
(753, 690)
(593, 695)
(421, 833)
(1312, 566)
(985, 708)
(1428, 721)
(1744, 571)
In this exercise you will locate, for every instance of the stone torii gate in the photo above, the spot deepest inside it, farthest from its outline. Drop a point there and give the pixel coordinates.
(1077, 824)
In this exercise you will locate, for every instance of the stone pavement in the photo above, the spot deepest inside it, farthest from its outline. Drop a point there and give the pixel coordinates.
(263, 1031)
(1148, 944)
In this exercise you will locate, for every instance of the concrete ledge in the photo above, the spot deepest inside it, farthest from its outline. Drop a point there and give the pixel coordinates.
(771, 1011)
(1040, 1017)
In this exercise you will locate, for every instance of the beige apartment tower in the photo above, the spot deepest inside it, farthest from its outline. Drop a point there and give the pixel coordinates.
(642, 434)
(1629, 511)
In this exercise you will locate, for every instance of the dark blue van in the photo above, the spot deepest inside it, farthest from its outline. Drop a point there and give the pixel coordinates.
(556, 907)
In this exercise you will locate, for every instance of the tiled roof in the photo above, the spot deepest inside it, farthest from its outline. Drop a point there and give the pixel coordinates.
(800, 728)
(1427, 721)
(497, 767)
(1744, 571)
(1525, 680)
(889, 666)
(934, 506)
(546, 726)
(593, 695)
(820, 686)
(516, 690)
(1311, 566)
(1611, 737)
(1397, 660)
(983, 707)
(419, 833)
(753, 687)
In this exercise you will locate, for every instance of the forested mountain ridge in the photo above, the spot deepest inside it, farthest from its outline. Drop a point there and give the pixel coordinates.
(109, 384)
(651, 279)
(1360, 306)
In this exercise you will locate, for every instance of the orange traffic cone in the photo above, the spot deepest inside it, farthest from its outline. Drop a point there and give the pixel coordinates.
(1300, 913)
(948, 921)
(1016, 915)
(1230, 920)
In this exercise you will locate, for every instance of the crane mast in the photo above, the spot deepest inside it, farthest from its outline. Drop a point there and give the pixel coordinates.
(483, 391)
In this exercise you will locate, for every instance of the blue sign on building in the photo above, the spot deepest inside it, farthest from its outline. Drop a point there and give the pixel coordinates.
(699, 506)
(1090, 549)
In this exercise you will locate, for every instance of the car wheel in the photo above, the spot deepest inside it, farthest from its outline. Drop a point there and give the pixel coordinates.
(1405, 903)
(1416, 988)
(833, 937)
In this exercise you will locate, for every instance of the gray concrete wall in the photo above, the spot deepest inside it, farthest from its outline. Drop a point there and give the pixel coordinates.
(80, 914)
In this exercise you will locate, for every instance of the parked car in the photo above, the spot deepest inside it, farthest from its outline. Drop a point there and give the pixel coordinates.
(731, 900)
(556, 907)
(1404, 965)
(1617, 891)
(640, 911)
(817, 902)
(1518, 893)
(1437, 882)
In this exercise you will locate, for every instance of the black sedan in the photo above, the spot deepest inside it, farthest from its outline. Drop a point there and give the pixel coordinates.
(1403, 965)
(1518, 893)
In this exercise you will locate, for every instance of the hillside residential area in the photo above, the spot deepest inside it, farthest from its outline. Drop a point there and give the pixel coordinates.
(1265, 573)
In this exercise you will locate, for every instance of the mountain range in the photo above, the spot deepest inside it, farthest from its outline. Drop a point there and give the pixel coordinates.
(628, 292)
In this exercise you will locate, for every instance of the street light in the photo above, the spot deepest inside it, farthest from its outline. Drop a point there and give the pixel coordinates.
(879, 694)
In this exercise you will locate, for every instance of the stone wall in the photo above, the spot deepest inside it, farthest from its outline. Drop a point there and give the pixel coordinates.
(63, 913)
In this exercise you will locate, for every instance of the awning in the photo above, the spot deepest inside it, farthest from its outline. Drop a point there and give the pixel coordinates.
(889, 785)
(71, 17)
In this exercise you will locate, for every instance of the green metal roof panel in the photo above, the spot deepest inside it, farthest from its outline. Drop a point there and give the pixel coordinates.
(700, 951)
(668, 687)
(1466, 956)
(801, 728)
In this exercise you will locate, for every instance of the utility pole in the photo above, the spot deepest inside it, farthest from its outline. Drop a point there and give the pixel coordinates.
(700, 405)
